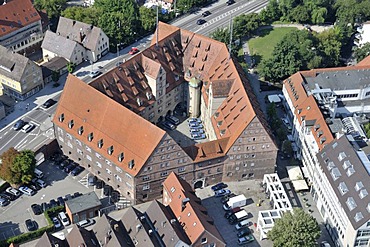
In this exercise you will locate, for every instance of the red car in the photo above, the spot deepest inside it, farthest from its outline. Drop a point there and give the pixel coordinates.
(133, 51)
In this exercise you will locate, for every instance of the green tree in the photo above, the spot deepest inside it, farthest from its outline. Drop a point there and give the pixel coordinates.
(364, 51)
(295, 228)
(70, 67)
(7, 159)
(318, 15)
(23, 167)
(287, 147)
(147, 18)
(222, 35)
(85, 15)
(53, 7)
(271, 13)
(244, 25)
(330, 46)
(300, 14)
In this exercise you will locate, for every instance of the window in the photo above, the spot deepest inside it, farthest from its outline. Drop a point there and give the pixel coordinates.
(98, 156)
(163, 174)
(100, 143)
(110, 150)
(98, 165)
(118, 169)
(61, 117)
(80, 130)
(90, 137)
(181, 169)
(88, 149)
(204, 240)
(88, 157)
(146, 187)
(146, 178)
(70, 124)
(108, 171)
(121, 157)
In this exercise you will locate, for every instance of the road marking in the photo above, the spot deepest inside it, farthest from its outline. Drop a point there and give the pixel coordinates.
(11, 139)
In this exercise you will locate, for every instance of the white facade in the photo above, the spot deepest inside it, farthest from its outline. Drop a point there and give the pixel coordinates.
(363, 35)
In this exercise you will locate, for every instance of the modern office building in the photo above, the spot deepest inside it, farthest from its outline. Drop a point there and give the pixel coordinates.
(329, 109)
(109, 125)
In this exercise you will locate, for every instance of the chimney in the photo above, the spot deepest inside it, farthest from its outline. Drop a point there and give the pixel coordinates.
(115, 227)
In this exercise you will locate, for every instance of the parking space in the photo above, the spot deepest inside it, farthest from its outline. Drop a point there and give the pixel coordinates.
(255, 202)
(59, 183)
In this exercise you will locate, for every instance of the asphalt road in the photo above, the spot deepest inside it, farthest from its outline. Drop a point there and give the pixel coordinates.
(219, 18)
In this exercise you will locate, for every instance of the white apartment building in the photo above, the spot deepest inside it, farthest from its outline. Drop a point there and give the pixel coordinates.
(320, 104)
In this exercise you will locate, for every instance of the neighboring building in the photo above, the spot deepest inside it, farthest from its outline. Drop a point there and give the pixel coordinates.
(83, 207)
(48, 239)
(21, 26)
(328, 108)
(363, 34)
(2, 110)
(188, 209)
(20, 77)
(113, 132)
(76, 42)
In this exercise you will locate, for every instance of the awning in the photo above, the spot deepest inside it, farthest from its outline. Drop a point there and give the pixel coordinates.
(300, 185)
(296, 177)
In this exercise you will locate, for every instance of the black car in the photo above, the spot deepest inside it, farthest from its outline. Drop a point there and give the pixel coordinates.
(229, 2)
(64, 164)
(99, 184)
(76, 194)
(201, 21)
(243, 232)
(219, 186)
(45, 206)
(115, 196)
(168, 125)
(107, 190)
(69, 168)
(67, 197)
(6, 196)
(60, 201)
(31, 225)
(10, 195)
(36, 208)
(48, 103)
(228, 214)
(77, 170)
(53, 203)
(206, 13)
(19, 124)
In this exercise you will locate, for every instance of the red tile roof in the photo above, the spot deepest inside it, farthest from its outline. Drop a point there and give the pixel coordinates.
(17, 14)
(91, 109)
(191, 214)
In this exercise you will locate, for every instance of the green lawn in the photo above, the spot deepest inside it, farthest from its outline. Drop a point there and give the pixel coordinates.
(263, 45)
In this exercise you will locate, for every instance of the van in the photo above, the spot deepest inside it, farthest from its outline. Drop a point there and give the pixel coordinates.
(38, 173)
(64, 219)
(242, 224)
(41, 183)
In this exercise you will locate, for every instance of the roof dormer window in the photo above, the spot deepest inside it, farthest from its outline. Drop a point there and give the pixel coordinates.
(121, 156)
(80, 130)
(71, 124)
(90, 137)
(110, 150)
(61, 117)
(100, 143)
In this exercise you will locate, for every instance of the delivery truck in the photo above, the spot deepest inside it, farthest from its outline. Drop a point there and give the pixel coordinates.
(236, 201)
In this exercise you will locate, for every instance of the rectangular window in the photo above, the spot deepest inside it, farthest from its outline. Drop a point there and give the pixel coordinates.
(98, 165)
(146, 178)
(88, 157)
(118, 169)
(88, 149)
(146, 187)
(98, 156)
(108, 171)
(163, 174)
(181, 169)
(128, 176)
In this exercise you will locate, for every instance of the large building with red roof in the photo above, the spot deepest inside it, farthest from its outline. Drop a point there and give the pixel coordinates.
(21, 26)
(328, 109)
(109, 126)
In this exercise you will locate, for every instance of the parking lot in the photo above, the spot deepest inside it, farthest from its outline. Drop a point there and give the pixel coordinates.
(254, 193)
(59, 183)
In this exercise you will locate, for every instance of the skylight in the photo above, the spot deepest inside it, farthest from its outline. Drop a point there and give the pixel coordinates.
(346, 164)
(351, 203)
(358, 217)
(363, 193)
(341, 156)
(343, 188)
(359, 185)
(350, 171)
(335, 173)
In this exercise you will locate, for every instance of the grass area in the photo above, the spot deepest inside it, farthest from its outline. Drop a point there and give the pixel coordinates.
(262, 46)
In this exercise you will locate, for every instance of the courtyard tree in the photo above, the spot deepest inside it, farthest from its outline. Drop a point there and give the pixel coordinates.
(17, 167)
(364, 51)
(53, 7)
(296, 228)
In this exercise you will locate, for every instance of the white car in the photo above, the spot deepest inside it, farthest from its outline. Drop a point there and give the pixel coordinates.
(13, 191)
(324, 244)
(27, 191)
(57, 223)
(27, 128)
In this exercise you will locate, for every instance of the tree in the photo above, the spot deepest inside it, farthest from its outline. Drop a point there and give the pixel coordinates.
(364, 51)
(319, 15)
(300, 14)
(222, 35)
(53, 7)
(295, 228)
(23, 167)
(244, 25)
(147, 18)
(7, 160)
(330, 46)
(70, 67)
(271, 13)
(85, 15)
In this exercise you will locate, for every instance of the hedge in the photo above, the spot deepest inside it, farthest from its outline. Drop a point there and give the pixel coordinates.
(28, 236)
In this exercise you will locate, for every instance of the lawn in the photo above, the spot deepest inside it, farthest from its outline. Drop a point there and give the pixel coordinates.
(263, 45)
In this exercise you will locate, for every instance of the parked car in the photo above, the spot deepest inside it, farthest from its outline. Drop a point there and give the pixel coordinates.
(173, 119)
(243, 232)
(45, 206)
(91, 181)
(245, 240)
(194, 120)
(133, 51)
(48, 103)
(31, 225)
(67, 197)
(197, 136)
(107, 190)
(95, 73)
(13, 191)
(27, 191)
(222, 192)
(69, 168)
(99, 184)
(64, 164)
(206, 13)
(201, 21)
(36, 208)
(56, 223)
(53, 203)
(196, 131)
(60, 201)
(77, 170)
(219, 186)
(85, 223)
(4, 202)
(195, 125)
(228, 214)
(64, 219)
(76, 194)
(39, 182)
(225, 198)
(27, 128)
(5, 196)
(10, 196)
(169, 125)
(19, 124)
